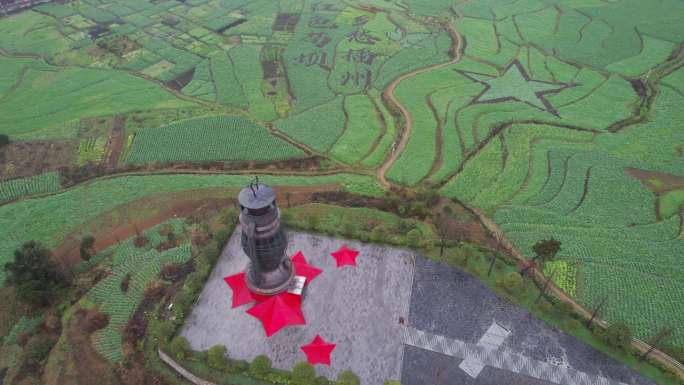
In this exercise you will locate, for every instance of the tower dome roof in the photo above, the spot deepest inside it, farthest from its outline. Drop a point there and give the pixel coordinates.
(256, 196)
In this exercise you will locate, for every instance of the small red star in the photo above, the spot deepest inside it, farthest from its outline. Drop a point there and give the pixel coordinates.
(304, 269)
(345, 256)
(318, 351)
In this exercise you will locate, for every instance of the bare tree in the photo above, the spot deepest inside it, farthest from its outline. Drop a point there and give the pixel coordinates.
(596, 310)
(491, 264)
(543, 289)
(655, 342)
(443, 222)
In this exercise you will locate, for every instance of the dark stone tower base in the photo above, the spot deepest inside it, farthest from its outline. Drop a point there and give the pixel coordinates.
(270, 271)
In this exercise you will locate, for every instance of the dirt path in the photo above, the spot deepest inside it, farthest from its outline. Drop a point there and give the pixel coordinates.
(408, 121)
(139, 215)
(115, 142)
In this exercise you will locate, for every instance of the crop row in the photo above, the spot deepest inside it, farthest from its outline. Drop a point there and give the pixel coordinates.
(91, 150)
(63, 213)
(207, 139)
(142, 267)
(15, 188)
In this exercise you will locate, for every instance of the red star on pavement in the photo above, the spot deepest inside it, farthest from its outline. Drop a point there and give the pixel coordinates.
(318, 351)
(304, 269)
(345, 256)
(278, 311)
(241, 293)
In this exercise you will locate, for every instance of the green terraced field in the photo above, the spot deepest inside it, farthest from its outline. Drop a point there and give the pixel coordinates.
(531, 110)
(207, 139)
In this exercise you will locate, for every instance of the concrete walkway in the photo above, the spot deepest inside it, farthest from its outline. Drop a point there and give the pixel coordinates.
(501, 359)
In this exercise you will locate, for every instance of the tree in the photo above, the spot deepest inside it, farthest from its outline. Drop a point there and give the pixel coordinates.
(217, 357)
(35, 275)
(303, 373)
(179, 347)
(543, 289)
(544, 250)
(260, 366)
(663, 333)
(4, 140)
(618, 335)
(288, 195)
(86, 248)
(347, 377)
(596, 310)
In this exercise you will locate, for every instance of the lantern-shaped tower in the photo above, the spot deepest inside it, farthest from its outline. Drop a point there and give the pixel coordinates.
(270, 271)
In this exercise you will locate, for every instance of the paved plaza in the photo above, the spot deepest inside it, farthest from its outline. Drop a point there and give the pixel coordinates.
(357, 308)
(455, 330)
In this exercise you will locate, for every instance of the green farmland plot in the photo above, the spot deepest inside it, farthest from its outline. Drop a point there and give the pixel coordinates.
(207, 139)
(363, 127)
(49, 219)
(142, 266)
(43, 183)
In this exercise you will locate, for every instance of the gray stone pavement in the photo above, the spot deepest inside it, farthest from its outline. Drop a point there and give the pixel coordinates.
(502, 359)
(357, 308)
(453, 304)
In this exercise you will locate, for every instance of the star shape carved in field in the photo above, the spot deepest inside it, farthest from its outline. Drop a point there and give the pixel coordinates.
(515, 84)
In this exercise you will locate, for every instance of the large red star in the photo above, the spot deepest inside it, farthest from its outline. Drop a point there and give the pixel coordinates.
(318, 351)
(345, 256)
(304, 269)
(278, 311)
(241, 293)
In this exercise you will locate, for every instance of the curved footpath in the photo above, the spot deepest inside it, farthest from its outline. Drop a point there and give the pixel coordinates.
(408, 121)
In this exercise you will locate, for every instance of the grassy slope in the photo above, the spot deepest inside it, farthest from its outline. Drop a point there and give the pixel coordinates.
(49, 219)
(48, 97)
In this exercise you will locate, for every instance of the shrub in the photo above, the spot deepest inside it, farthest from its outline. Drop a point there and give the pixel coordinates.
(512, 282)
(320, 380)
(393, 382)
(378, 234)
(34, 274)
(36, 350)
(4, 140)
(303, 374)
(617, 335)
(135, 329)
(241, 366)
(221, 237)
(563, 309)
(179, 347)
(164, 330)
(573, 324)
(312, 221)
(217, 357)
(414, 237)
(260, 367)
(347, 377)
(86, 247)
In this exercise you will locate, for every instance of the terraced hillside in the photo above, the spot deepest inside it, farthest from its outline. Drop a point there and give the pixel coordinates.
(555, 118)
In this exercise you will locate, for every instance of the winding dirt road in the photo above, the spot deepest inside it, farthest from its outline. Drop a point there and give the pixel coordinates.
(408, 121)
